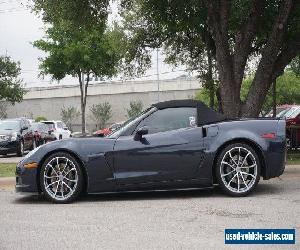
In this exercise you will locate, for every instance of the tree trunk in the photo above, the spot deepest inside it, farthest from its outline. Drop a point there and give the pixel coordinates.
(82, 102)
(83, 122)
(218, 16)
(231, 63)
(274, 95)
(219, 100)
(210, 80)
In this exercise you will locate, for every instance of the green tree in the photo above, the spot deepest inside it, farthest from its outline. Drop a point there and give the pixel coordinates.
(40, 118)
(135, 107)
(234, 32)
(11, 87)
(81, 54)
(79, 13)
(68, 115)
(101, 113)
(287, 92)
(78, 43)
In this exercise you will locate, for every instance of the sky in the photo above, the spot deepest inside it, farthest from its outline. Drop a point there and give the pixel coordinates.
(19, 28)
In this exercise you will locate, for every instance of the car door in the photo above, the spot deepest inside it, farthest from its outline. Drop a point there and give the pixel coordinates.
(171, 152)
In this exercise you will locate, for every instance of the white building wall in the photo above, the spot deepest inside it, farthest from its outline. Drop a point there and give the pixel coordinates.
(49, 101)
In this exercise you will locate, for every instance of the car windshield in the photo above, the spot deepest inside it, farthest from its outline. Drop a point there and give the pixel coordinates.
(9, 125)
(291, 113)
(34, 126)
(294, 114)
(282, 112)
(49, 125)
(119, 130)
(279, 110)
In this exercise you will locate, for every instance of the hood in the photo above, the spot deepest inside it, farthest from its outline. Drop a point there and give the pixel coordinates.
(7, 132)
(83, 147)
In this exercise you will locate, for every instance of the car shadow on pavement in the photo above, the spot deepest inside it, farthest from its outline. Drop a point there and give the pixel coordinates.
(153, 195)
(216, 192)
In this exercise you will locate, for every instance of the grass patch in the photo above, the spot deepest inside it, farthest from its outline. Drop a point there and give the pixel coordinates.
(7, 169)
(293, 157)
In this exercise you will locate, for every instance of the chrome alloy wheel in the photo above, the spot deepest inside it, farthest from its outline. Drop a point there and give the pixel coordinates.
(60, 178)
(238, 170)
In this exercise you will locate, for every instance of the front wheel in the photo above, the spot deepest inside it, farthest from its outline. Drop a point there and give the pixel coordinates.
(61, 178)
(238, 169)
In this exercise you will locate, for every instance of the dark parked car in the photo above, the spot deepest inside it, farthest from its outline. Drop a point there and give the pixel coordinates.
(41, 133)
(293, 127)
(171, 145)
(15, 136)
(280, 110)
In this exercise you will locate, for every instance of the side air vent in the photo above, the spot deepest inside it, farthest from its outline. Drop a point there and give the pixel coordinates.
(204, 132)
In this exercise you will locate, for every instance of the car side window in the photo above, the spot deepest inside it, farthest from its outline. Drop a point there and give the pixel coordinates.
(170, 119)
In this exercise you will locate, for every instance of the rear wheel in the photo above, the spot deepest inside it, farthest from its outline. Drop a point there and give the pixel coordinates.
(61, 178)
(238, 169)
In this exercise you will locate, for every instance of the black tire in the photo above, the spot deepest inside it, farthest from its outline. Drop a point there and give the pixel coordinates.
(224, 179)
(20, 150)
(49, 192)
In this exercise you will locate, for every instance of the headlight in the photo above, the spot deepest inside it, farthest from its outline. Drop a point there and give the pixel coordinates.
(6, 138)
(31, 152)
(14, 136)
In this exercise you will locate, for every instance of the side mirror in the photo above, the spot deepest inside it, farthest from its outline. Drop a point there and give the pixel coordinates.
(66, 128)
(140, 132)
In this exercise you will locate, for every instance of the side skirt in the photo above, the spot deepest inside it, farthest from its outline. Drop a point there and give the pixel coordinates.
(154, 190)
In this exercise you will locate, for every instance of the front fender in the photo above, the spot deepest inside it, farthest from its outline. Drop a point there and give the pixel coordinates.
(94, 154)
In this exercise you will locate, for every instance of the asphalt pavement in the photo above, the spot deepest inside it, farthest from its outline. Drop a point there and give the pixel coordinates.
(157, 220)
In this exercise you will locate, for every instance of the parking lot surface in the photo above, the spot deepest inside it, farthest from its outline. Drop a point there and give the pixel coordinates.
(157, 220)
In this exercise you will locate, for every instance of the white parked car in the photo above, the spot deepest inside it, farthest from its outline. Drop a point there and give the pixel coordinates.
(58, 129)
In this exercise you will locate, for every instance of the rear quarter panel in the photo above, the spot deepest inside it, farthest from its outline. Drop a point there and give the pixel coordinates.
(271, 151)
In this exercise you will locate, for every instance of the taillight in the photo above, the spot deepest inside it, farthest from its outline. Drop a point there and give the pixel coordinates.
(268, 136)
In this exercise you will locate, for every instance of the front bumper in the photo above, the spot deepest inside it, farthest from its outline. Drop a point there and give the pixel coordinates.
(26, 179)
(7, 147)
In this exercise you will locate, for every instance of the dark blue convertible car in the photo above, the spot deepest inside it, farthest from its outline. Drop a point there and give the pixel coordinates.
(172, 145)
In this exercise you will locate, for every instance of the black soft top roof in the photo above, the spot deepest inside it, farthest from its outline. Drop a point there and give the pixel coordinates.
(205, 115)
